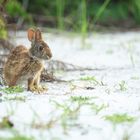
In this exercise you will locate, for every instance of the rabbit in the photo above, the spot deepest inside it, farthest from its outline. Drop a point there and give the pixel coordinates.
(27, 64)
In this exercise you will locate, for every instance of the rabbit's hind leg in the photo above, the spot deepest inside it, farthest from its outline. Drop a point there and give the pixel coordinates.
(11, 80)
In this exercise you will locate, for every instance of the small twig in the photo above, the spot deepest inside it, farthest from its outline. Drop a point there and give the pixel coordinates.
(60, 65)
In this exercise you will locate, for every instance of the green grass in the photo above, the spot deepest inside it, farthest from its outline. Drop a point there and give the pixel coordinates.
(131, 54)
(71, 109)
(135, 9)
(3, 31)
(11, 90)
(123, 85)
(97, 108)
(15, 9)
(80, 15)
(21, 138)
(88, 101)
(60, 13)
(84, 18)
(16, 98)
(47, 125)
(92, 79)
(130, 48)
(109, 51)
(119, 118)
(69, 115)
(89, 78)
(135, 77)
(68, 110)
(80, 98)
(84, 23)
(17, 137)
(101, 10)
(6, 123)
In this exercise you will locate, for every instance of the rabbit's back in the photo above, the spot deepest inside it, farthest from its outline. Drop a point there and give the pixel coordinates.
(20, 65)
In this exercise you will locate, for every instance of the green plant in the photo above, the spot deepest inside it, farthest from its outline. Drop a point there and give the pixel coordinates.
(69, 114)
(41, 125)
(83, 18)
(17, 137)
(3, 31)
(119, 118)
(20, 137)
(126, 136)
(101, 10)
(91, 79)
(11, 90)
(131, 54)
(122, 85)
(16, 98)
(68, 111)
(72, 86)
(68, 117)
(109, 51)
(80, 98)
(6, 123)
(135, 77)
(98, 108)
(88, 101)
(84, 24)
(134, 6)
(80, 15)
(15, 9)
(60, 11)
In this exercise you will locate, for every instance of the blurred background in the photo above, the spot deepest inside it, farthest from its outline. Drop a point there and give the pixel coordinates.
(78, 16)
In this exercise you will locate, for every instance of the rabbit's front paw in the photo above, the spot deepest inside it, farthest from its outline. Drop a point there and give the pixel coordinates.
(36, 89)
(45, 88)
(40, 89)
(32, 89)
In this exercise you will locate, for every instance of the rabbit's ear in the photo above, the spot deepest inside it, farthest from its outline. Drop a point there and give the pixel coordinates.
(31, 34)
(38, 35)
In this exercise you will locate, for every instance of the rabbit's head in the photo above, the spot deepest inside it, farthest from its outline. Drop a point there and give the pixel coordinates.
(39, 48)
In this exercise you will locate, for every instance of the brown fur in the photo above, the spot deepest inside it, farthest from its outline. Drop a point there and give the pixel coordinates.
(26, 63)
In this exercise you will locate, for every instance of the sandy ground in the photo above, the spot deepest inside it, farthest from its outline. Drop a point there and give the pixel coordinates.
(111, 89)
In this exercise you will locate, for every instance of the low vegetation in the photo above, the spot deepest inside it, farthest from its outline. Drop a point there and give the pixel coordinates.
(120, 118)
(11, 90)
(85, 14)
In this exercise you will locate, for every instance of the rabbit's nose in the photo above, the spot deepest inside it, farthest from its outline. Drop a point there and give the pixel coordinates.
(49, 55)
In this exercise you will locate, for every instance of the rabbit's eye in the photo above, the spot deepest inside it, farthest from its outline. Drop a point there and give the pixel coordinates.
(40, 48)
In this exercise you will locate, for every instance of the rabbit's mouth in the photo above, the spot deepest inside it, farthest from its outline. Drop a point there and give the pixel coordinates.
(48, 57)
